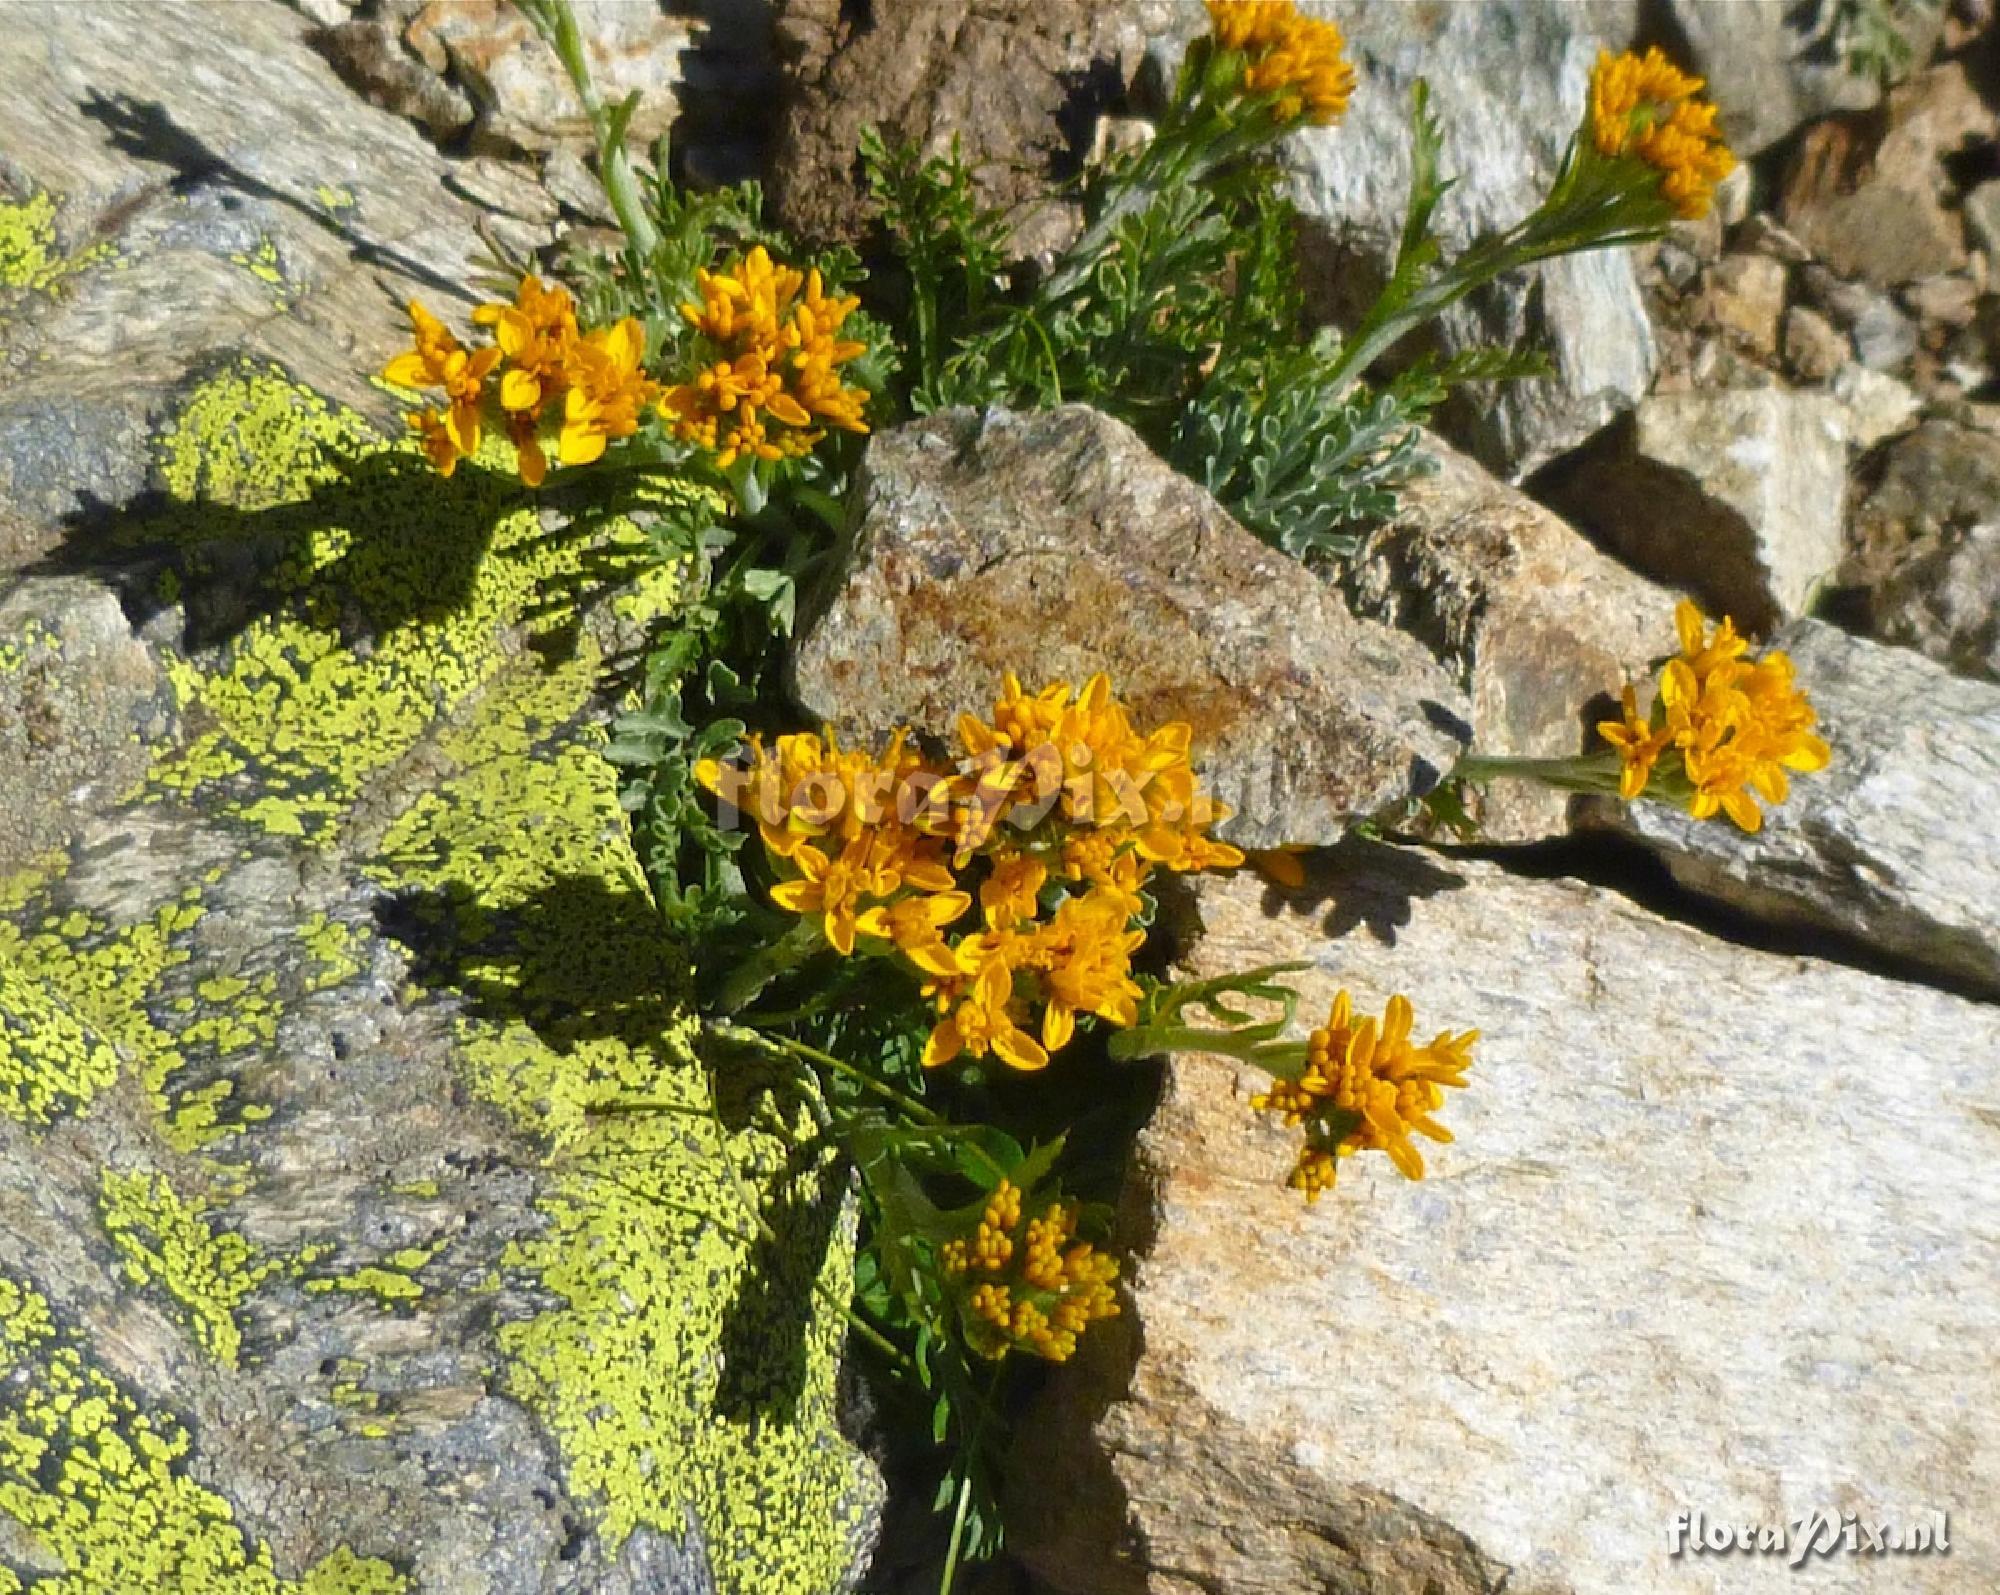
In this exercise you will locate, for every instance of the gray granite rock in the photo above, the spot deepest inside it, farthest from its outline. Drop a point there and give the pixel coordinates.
(1511, 80)
(1716, 1235)
(1056, 545)
(1772, 65)
(302, 821)
(1923, 549)
(1891, 844)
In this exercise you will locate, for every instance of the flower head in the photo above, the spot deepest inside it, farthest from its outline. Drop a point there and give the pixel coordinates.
(538, 335)
(1646, 106)
(439, 361)
(1738, 726)
(1366, 1089)
(1300, 60)
(774, 385)
(1028, 1287)
(607, 390)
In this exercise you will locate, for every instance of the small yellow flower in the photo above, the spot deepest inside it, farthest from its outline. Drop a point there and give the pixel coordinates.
(1302, 60)
(1365, 1088)
(1646, 106)
(986, 1019)
(1738, 726)
(914, 925)
(607, 390)
(1083, 960)
(1035, 1291)
(776, 384)
(439, 361)
(537, 334)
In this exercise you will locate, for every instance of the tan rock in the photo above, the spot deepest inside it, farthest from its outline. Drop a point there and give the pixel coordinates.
(1879, 209)
(1532, 619)
(1745, 295)
(1058, 544)
(1716, 1235)
(1814, 348)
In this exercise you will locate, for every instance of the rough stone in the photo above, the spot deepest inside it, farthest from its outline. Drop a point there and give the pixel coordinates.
(1531, 619)
(311, 819)
(1814, 348)
(525, 98)
(1517, 75)
(1877, 406)
(1736, 495)
(1891, 844)
(1745, 295)
(1701, 1197)
(369, 55)
(1017, 82)
(80, 698)
(1058, 544)
(1767, 65)
(1922, 556)
(1883, 210)
(1982, 218)
(1884, 338)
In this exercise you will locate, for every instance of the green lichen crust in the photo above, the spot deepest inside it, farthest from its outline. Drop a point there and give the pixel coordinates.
(392, 683)
(103, 1486)
(31, 260)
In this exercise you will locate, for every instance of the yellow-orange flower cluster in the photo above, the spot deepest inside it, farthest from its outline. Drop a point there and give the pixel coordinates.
(1646, 106)
(557, 384)
(775, 383)
(1028, 1287)
(1738, 725)
(1301, 60)
(1365, 1089)
(1052, 822)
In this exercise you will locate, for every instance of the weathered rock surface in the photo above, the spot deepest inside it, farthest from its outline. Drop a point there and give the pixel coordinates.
(1517, 76)
(1771, 65)
(1056, 545)
(1892, 843)
(477, 68)
(1717, 1234)
(319, 926)
(1530, 618)
(1924, 547)
(1885, 209)
(1737, 495)
(1017, 82)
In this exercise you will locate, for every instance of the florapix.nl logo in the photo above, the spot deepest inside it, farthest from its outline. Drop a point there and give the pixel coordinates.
(1821, 1532)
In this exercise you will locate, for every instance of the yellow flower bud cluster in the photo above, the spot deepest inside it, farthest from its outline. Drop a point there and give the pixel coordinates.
(773, 383)
(557, 384)
(1052, 819)
(1300, 60)
(1738, 725)
(1365, 1089)
(1644, 105)
(1029, 1288)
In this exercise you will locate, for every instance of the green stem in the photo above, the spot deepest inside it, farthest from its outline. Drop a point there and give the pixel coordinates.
(1275, 1057)
(785, 1045)
(1584, 773)
(957, 1543)
(556, 22)
(780, 957)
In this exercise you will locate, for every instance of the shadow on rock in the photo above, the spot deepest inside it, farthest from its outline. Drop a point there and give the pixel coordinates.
(1362, 883)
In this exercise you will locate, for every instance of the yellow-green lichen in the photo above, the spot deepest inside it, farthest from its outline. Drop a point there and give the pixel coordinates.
(376, 697)
(102, 1487)
(168, 1243)
(334, 198)
(30, 258)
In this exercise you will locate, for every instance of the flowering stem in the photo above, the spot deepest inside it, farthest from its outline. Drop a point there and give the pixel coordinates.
(780, 957)
(556, 23)
(1587, 773)
(1145, 1041)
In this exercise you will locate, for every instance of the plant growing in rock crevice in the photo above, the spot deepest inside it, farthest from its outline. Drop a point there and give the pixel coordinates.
(943, 955)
